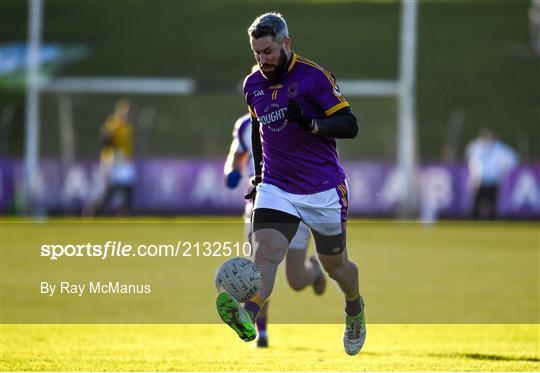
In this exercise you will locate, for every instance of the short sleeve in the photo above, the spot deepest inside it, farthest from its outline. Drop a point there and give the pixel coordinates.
(328, 95)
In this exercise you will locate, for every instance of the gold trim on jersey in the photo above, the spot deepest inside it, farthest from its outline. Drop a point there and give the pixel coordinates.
(294, 57)
(276, 86)
(335, 108)
(326, 73)
(274, 94)
(318, 67)
(251, 111)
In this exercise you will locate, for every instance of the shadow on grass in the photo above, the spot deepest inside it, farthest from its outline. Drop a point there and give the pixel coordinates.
(500, 357)
(493, 357)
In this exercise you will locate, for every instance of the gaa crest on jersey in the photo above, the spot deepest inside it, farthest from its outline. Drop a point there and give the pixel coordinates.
(258, 93)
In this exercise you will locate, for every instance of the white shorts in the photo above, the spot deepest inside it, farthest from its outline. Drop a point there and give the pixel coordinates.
(324, 212)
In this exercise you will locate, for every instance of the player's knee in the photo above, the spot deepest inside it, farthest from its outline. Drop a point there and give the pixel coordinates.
(335, 272)
(269, 251)
(340, 270)
(262, 252)
(334, 268)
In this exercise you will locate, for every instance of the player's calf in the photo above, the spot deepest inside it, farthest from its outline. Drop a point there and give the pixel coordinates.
(343, 271)
(271, 247)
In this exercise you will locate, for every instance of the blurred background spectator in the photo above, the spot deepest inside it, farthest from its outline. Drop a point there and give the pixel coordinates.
(116, 160)
(488, 160)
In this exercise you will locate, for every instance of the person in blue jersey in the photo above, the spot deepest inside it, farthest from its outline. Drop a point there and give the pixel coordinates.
(300, 272)
(297, 112)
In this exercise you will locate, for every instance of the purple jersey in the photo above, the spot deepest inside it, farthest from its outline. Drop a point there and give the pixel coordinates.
(294, 159)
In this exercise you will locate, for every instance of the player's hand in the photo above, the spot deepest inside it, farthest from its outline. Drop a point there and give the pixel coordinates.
(232, 179)
(255, 180)
(295, 113)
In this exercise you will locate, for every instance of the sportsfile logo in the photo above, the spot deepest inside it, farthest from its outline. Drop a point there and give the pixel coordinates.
(120, 249)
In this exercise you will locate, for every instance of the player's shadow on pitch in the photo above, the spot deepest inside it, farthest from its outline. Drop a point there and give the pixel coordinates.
(499, 357)
(306, 349)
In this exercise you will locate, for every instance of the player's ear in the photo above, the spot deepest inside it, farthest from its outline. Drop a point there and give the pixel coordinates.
(287, 43)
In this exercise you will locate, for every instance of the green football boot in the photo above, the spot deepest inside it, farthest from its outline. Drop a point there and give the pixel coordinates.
(234, 315)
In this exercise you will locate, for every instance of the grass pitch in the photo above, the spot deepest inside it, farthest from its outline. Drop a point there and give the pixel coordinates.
(293, 348)
(395, 342)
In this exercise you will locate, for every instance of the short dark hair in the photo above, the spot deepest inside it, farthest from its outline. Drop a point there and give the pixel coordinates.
(269, 24)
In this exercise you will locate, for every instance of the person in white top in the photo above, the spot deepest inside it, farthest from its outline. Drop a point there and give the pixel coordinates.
(488, 161)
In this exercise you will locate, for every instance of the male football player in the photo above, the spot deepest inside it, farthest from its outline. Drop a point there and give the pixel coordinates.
(299, 272)
(297, 112)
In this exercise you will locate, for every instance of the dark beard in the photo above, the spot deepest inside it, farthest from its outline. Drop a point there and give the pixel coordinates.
(280, 68)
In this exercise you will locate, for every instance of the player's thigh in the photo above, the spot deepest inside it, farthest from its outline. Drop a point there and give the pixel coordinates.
(273, 229)
(330, 245)
(273, 212)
